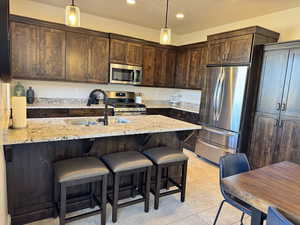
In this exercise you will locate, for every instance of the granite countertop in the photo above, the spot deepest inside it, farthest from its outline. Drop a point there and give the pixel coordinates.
(190, 107)
(59, 129)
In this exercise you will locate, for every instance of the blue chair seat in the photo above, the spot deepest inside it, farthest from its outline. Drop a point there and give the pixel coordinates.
(276, 218)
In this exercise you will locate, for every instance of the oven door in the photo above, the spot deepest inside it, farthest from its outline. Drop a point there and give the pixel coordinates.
(123, 74)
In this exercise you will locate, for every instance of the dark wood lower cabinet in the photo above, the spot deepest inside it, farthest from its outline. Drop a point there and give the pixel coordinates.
(30, 172)
(263, 143)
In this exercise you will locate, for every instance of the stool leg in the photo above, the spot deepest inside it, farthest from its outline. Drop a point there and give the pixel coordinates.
(103, 200)
(63, 199)
(147, 191)
(115, 197)
(167, 176)
(157, 187)
(92, 194)
(56, 198)
(183, 180)
(134, 184)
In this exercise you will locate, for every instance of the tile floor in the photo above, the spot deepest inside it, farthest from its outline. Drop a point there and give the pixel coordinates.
(202, 202)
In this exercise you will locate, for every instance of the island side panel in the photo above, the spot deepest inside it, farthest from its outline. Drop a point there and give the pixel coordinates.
(30, 171)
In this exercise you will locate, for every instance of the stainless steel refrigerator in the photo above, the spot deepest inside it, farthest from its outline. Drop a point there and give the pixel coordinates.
(221, 128)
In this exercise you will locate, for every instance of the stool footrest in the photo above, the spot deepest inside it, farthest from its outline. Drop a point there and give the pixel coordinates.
(131, 202)
(82, 216)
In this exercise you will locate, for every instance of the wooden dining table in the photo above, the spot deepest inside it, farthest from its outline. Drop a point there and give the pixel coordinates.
(277, 185)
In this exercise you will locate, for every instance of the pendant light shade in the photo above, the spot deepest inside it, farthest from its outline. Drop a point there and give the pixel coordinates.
(165, 36)
(72, 17)
(165, 33)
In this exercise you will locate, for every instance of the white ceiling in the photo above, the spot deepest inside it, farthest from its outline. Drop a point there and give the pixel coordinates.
(199, 14)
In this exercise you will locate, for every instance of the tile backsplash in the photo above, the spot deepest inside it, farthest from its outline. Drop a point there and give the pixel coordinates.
(50, 89)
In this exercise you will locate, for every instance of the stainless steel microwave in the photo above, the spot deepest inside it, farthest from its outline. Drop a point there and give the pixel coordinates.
(125, 74)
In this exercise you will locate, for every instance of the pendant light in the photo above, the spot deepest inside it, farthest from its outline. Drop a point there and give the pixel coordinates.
(72, 17)
(165, 33)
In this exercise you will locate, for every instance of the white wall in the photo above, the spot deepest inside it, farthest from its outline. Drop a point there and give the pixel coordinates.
(286, 22)
(51, 89)
(3, 123)
(56, 14)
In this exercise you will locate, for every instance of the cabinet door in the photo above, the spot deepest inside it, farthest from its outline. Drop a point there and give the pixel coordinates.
(272, 81)
(291, 100)
(134, 54)
(148, 65)
(161, 56)
(77, 57)
(118, 51)
(171, 67)
(98, 59)
(24, 50)
(289, 147)
(216, 51)
(52, 54)
(263, 141)
(182, 68)
(238, 49)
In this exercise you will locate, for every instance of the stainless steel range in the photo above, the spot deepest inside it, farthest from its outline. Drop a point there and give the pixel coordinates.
(123, 103)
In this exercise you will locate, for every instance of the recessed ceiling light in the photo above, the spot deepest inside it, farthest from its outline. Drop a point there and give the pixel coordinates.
(131, 2)
(179, 15)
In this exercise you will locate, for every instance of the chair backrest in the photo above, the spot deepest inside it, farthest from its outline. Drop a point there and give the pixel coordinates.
(276, 218)
(233, 164)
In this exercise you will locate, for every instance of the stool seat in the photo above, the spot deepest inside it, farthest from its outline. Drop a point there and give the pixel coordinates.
(164, 155)
(126, 161)
(79, 168)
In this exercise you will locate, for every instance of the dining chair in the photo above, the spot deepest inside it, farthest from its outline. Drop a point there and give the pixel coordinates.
(276, 218)
(233, 164)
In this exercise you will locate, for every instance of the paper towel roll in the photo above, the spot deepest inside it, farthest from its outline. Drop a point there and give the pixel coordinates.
(19, 115)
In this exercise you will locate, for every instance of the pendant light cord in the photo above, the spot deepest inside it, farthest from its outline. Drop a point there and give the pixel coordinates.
(73, 3)
(167, 12)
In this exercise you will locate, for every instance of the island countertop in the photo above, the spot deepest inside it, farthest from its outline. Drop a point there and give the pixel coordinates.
(59, 129)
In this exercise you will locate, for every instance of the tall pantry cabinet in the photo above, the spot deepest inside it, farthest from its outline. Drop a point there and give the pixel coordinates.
(276, 132)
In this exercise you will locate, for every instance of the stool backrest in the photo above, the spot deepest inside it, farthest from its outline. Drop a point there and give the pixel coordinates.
(276, 218)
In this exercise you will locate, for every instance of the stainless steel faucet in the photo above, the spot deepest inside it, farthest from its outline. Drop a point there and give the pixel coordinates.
(94, 99)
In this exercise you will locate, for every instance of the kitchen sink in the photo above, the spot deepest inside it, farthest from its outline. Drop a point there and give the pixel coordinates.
(95, 121)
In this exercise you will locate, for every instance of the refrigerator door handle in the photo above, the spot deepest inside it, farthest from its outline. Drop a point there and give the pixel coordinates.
(217, 86)
(220, 96)
(221, 132)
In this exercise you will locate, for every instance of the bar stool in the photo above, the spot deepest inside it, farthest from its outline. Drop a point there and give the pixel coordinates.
(77, 171)
(128, 163)
(163, 158)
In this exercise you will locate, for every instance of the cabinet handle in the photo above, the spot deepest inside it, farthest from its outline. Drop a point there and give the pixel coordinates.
(283, 107)
(278, 106)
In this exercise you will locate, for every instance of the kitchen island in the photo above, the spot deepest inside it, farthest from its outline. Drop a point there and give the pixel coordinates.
(31, 152)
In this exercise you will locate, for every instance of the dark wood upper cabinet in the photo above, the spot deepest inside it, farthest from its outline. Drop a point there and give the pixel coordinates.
(216, 51)
(24, 50)
(197, 71)
(77, 50)
(149, 65)
(182, 68)
(52, 54)
(272, 81)
(98, 59)
(134, 54)
(171, 68)
(238, 49)
(118, 51)
(161, 58)
(126, 52)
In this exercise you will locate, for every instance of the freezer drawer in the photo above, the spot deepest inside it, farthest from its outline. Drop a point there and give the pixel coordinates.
(211, 152)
